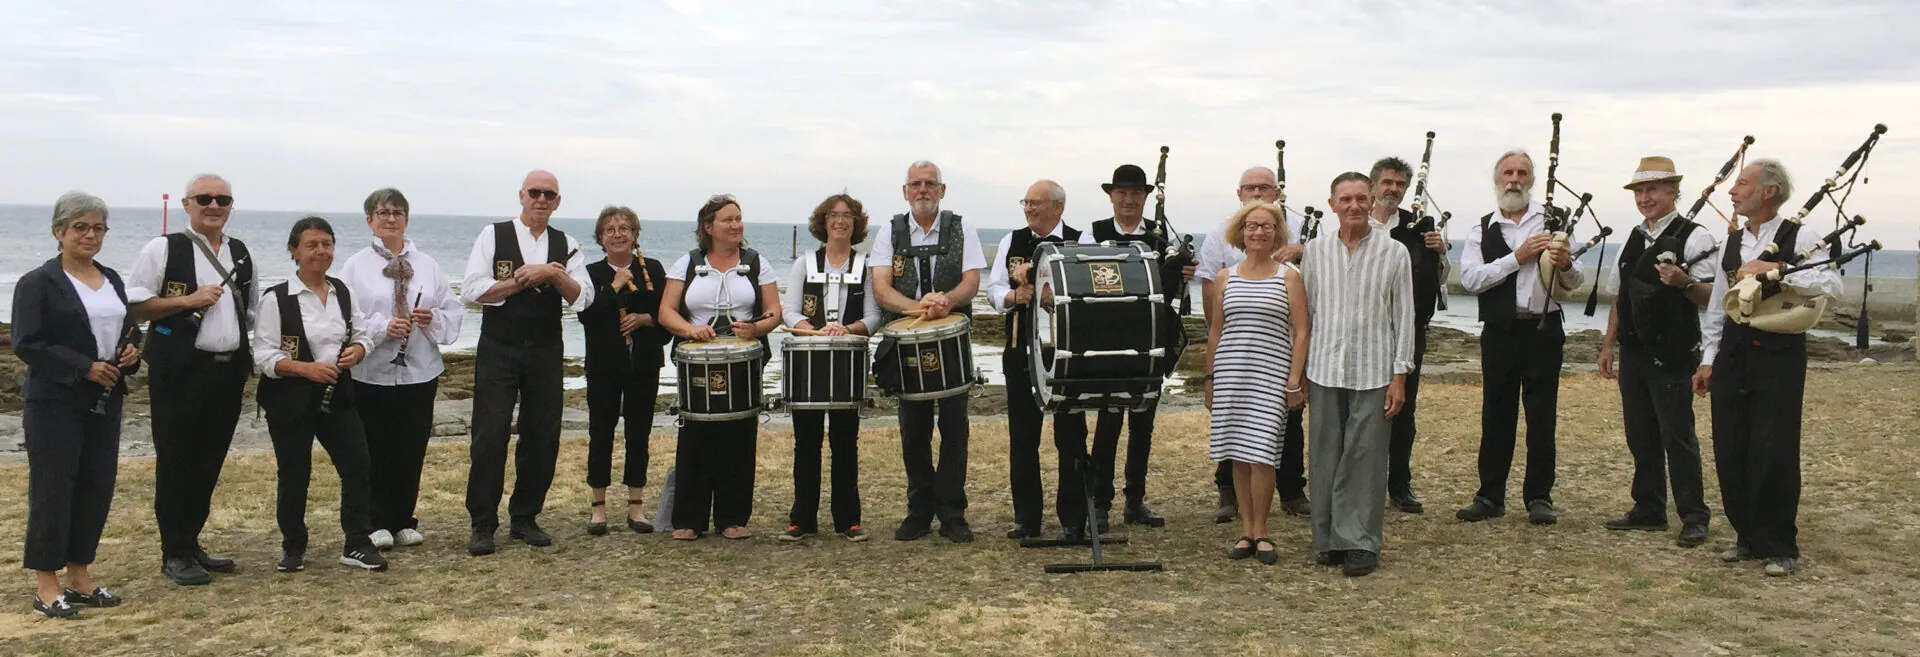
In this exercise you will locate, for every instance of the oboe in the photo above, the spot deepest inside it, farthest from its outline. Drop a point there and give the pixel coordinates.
(1726, 170)
(400, 357)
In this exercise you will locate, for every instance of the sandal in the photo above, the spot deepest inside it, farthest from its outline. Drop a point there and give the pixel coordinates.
(641, 526)
(597, 528)
(1270, 555)
(685, 535)
(1238, 552)
(737, 533)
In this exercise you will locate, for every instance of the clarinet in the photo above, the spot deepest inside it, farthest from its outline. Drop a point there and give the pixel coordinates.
(1726, 170)
(1178, 248)
(100, 405)
(400, 357)
(346, 340)
(200, 314)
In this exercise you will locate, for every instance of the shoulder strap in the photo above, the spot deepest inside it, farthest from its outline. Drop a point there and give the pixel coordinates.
(346, 307)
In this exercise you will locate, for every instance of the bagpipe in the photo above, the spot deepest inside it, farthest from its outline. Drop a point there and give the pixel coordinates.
(1309, 217)
(1425, 223)
(1176, 249)
(1561, 223)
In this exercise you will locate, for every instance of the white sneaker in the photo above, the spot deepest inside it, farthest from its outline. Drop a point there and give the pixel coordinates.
(382, 539)
(409, 537)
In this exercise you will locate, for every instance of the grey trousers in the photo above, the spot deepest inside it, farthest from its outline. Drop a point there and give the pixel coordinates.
(1347, 467)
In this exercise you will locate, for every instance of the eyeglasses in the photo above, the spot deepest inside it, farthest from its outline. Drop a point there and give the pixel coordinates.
(923, 184)
(622, 229)
(538, 194)
(1259, 189)
(84, 229)
(390, 214)
(221, 200)
(849, 216)
(1256, 228)
(1029, 205)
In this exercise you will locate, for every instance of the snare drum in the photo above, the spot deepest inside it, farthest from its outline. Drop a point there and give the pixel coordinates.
(933, 358)
(824, 373)
(719, 379)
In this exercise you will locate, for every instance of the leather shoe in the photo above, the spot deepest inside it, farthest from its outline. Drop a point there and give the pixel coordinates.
(1236, 552)
(185, 571)
(956, 530)
(1637, 523)
(1480, 509)
(1137, 513)
(912, 529)
(100, 598)
(1407, 503)
(1360, 563)
(529, 532)
(1692, 535)
(1540, 512)
(1331, 557)
(1103, 522)
(1229, 508)
(1297, 507)
(482, 542)
(1073, 534)
(213, 563)
(1021, 531)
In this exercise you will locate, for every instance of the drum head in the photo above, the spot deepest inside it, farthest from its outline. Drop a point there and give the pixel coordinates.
(725, 349)
(949, 325)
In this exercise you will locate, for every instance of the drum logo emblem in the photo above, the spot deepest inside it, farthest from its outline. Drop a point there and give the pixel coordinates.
(717, 382)
(290, 344)
(930, 361)
(809, 304)
(502, 270)
(899, 265)
(1106, 278)
(176, 289)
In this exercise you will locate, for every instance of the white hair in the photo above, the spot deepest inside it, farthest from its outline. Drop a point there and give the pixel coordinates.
(924, 164)
(1055, 192)
(200, 177)
(1503, 157)
(1774, 174)
(74, 205)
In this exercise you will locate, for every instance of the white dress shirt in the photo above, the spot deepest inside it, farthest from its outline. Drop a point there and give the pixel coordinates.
(533, 251)
(790, 305)
(326, 328)
(881, 255)
(221, 330)
(998, 284)
(703, 295)
(106, 316)
(1812, 282)
(1216, 254)
(1530, 293)
(373, 297)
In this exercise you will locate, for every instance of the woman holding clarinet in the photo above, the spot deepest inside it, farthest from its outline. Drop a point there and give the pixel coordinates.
(623, 362)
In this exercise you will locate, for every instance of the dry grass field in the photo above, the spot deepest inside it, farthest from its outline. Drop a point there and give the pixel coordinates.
(1499, 588)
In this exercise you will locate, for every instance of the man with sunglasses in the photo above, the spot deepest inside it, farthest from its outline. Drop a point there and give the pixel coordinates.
(196, 286)
(520, 272)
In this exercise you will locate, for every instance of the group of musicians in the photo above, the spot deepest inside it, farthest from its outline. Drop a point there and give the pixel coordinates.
(354, 363)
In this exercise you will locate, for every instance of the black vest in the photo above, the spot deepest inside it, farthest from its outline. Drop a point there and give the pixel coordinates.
(1105, 230)
(1497, 306)
(529, 317)
(1653, 315)
(290, 396)
(813, 294)
(1785, 238)
(1412, 232)
(751, 259)
(1021, 246)
(170, 343)
(608, 353)
(945, 258)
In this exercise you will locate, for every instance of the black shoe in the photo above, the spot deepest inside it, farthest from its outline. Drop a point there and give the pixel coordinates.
(185, 571)
(98, 599)
(793, 533)
(1021, 531)
(212, 563)
(1298, 506)
(1692, 535)
(482, 542)
(291, 561)
(58, 609)
(956, 530)
(1270, 555)
(1407, 503)
(639, 526)
(366, 558)
(1540, 512)
(1330, 557)
(597, 528)
(1229, 509)
(529, 532)
(1073, 534)
(1103, 522)
(1360, 563)
(1137, 513)
(1480, 509)
(855, 534)
(1634, 522)
(1236, 552)
(913, 529)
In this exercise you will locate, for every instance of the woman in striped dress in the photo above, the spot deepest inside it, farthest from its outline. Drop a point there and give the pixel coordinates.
(1248, 350)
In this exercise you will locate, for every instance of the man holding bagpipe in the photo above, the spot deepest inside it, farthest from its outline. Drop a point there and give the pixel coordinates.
(1656, 323)
(1427, 251)
(1757, 372)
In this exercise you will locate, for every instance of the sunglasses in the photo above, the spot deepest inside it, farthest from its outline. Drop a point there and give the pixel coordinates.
(221, 200)
(538, 194)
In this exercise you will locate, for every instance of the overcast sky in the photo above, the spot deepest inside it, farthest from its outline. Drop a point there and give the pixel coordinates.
(311, 105)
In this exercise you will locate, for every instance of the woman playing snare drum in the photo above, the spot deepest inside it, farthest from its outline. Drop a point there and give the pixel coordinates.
(832, 309)
(710, 292)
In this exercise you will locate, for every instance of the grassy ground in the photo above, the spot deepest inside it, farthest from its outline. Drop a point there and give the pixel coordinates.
(1502, 587)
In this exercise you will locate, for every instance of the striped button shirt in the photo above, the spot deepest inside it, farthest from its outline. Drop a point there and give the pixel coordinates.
(1361, 304)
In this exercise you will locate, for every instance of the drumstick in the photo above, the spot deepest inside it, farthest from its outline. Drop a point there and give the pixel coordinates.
(799, 331)
(916, 312)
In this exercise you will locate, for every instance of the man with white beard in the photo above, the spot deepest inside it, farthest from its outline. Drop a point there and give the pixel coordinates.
(1520, 339)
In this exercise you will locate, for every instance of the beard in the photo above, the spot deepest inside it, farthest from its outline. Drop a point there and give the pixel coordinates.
(923, 207)
(1513, 198)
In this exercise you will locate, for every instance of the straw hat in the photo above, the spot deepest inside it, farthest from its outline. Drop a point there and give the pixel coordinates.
(1654, 169)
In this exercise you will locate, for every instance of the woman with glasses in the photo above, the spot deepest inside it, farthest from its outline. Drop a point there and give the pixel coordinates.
(702, 300)
(832, 308)
(623, 362)
(411, 313)
(72, 327)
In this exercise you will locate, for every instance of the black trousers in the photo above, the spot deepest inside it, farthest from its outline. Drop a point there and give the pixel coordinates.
(841, 430)
(73, 456)
(1024, 420)
(1400, 446)
(398, 421)
(610, 400)
(1106, 449)
(935, 489)
(1290, 479)
(1657, 406)
(194, 412)
(503, 374)
(1756, 443)
(345, 440)
(714, 464)
(1520, 366)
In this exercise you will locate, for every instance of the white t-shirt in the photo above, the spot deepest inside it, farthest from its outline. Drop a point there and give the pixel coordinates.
(705, 294)
(106, 315)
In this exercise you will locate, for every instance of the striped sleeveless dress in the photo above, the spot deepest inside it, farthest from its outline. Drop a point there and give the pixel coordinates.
(1250, 371)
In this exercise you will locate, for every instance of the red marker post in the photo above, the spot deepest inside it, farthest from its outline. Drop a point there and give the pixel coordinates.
(164, 207)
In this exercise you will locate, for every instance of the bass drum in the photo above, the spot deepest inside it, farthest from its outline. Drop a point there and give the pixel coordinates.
(719, 379)
(1109, 338)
